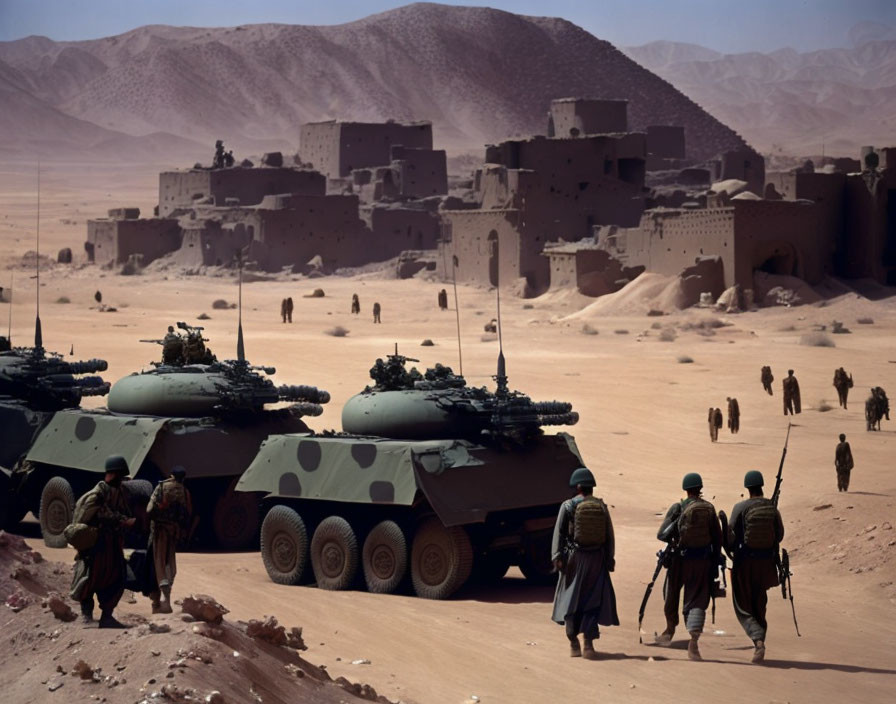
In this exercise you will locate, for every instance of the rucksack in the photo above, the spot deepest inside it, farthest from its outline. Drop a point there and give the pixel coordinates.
(693, 524)
(79, 534)
(759, 525)
(590, 523)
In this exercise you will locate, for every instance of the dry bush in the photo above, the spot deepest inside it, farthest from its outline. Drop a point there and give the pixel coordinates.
(865, 321)
(656, 325)
(838, 328)
(684, 359)
(203, 316)
(817, 339)
(668, 335)
(588, 330)
(653, 312)
(528, 306)
(63, 299)
(337, 331)
(221, 304)
(621, 332)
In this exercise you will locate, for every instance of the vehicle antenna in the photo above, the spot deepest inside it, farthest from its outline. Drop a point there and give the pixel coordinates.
(240, 349)
(38, 336)
(501, 376)
(460, 357)
(9, 322)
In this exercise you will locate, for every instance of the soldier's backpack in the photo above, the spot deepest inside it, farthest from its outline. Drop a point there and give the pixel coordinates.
(590, 523)
(693, 524)
(79, 533)
(759, 525)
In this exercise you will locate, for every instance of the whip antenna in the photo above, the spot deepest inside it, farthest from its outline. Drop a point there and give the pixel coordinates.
(240, 349)
(460, 357)
(38, 335)
(12, 277)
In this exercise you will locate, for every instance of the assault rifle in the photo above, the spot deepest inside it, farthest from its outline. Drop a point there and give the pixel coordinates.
(662, 560)
(782, 559)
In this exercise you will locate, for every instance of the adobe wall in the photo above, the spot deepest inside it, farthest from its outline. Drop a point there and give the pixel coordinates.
(743, 164)
(397, 229)
(466, 236)
(211, 243)
(179, 190)
(583, 116)
(113, 241)
(421, 172)
(870, 240)
(336, 148)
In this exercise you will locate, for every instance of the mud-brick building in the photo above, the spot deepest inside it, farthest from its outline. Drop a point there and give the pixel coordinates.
(337, 148)
(778, 237)
(114, 239)
(182, 189)
(411, 174)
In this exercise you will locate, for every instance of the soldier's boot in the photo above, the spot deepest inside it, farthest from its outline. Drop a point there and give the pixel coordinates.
(165, 602)
(665, 638)
(87, 611)
(588, 650)
(693, 648)
(575, 650)
(759, 652)
(107, 620)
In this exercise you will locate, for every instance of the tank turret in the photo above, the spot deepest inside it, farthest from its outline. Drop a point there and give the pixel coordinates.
(45, 381)
(405, 404)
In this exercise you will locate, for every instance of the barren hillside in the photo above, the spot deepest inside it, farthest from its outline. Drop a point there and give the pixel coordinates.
(832, 99)
(479, 74)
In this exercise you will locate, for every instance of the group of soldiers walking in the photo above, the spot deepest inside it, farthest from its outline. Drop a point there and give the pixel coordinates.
(99, 523)
(583, 552)
(715, 419)
(356, 308)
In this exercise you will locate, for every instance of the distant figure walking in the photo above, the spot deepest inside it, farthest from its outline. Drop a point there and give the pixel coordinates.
(98, 296)
(356, 304)
(767, 380)
(843, 383)
(443, 300)
(733, 416)
(491, 326)
(877, 407)
(289, 308)
(283, 309)
(791, 389)
(376, 313)
(715, 423)
(843, 463)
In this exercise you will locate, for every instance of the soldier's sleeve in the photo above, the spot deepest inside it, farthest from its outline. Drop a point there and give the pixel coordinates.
(665, 533)
(731, 538)
(558, 542)
(611, 543)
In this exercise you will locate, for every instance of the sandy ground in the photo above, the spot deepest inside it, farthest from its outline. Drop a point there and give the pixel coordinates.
(643, 425)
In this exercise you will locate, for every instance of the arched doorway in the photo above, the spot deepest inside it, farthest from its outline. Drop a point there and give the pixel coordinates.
(493, 258)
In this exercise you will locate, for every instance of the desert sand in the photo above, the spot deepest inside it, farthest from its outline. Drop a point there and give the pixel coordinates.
(643, 425)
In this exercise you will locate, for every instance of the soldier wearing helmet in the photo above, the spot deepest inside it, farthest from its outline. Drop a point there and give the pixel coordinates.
(754, 532)
(583, 551)
(170, 509)
(692, 527)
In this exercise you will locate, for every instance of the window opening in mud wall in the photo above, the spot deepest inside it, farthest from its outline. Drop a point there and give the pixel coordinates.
(493, 258)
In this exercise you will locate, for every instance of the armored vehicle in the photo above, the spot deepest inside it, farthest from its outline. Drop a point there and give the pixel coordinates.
(34, 385)
(430, 477)
(194, 411)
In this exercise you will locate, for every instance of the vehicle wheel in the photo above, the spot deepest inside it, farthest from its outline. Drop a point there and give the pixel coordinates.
(536, 562)
(441, 559)
(57, 504)
(235, 519)
(334, 554)
(284, 545)
(384, 558)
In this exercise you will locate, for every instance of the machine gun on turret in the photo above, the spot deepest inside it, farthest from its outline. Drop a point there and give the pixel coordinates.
(241, 387)
(46, 381)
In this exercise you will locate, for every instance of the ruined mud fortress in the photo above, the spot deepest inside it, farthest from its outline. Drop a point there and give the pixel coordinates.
(588, 205)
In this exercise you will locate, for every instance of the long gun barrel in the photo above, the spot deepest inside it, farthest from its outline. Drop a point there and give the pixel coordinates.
(89, 366)
(301, 392)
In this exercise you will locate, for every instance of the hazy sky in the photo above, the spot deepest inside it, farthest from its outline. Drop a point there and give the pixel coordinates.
(725, 25)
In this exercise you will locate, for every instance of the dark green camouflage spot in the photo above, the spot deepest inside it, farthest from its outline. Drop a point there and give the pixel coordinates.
(382, 492)
(364, 454)
(85, 428)
(289, 485)
(308, 454)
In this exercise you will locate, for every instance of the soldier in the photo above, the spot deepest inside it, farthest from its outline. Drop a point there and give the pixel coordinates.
(767, 379)
(228, 159)
(218, 161)
(172, 347)
(843, 463)
(692, 527)
(356, 304)
(101, 569)
(376, 313)
(584, 553)
(4, 344)
(289, 309)
(712, 425)
(443, 300)
(791, 389)
(733, 416)
(843, 383)
(716, 423)
(754, 533)
(283, 309)
(880, 396)
(170, 509)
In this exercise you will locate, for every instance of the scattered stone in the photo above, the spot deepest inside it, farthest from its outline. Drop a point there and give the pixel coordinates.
(361, 661)
(83, 670)
(53, 686)
(159, 628)
(886, 526)
(870, 528)
(427, 343)
(316, 293)
(270, 631)
(203, 316)
(221, 304)
(59, 607)
(294, 670)
(822, 507)
(208, 631)
(202, 607)
(214, 698)
(17, 600)
(156, 652)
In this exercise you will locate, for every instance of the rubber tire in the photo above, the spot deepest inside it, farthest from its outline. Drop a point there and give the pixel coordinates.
(57, 505)
(235, 519)
(441, 559)
(384, 558)
(334, 554)
(284, 545)
(536, 563)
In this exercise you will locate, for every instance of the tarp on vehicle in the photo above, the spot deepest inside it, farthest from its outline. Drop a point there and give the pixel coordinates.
(83, 440)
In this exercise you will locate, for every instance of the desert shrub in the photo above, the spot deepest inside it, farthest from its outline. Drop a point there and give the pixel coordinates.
(427, 343)
(817, 339)
(220, 304)
(588, 330)
(654, 313)
(838, 328)
(684, 359)
(787, 328)
(668, 335)
(656, 325)
(203, 316)
(528, 306)
(337, 331)
(63, 299)
(621, 332)
(865, 321)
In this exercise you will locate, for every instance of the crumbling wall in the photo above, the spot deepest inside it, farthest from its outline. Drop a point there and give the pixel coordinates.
(421, 172)
(397, 229)
(574, 117)
(113, 241)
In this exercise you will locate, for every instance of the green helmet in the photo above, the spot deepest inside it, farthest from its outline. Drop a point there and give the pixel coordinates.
(582, 477)
(116, 464)
(753, 478)
(692, 480)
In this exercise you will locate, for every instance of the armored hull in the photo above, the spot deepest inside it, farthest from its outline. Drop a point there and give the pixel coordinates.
(191, 393)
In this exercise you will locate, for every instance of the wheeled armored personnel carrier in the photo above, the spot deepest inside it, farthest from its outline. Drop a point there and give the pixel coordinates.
(209, 418)
(430, 477)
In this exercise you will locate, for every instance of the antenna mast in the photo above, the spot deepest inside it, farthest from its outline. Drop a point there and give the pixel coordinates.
(12, 276)
(460, 356)
(501, 376)
(240, 349)
(38, 335)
